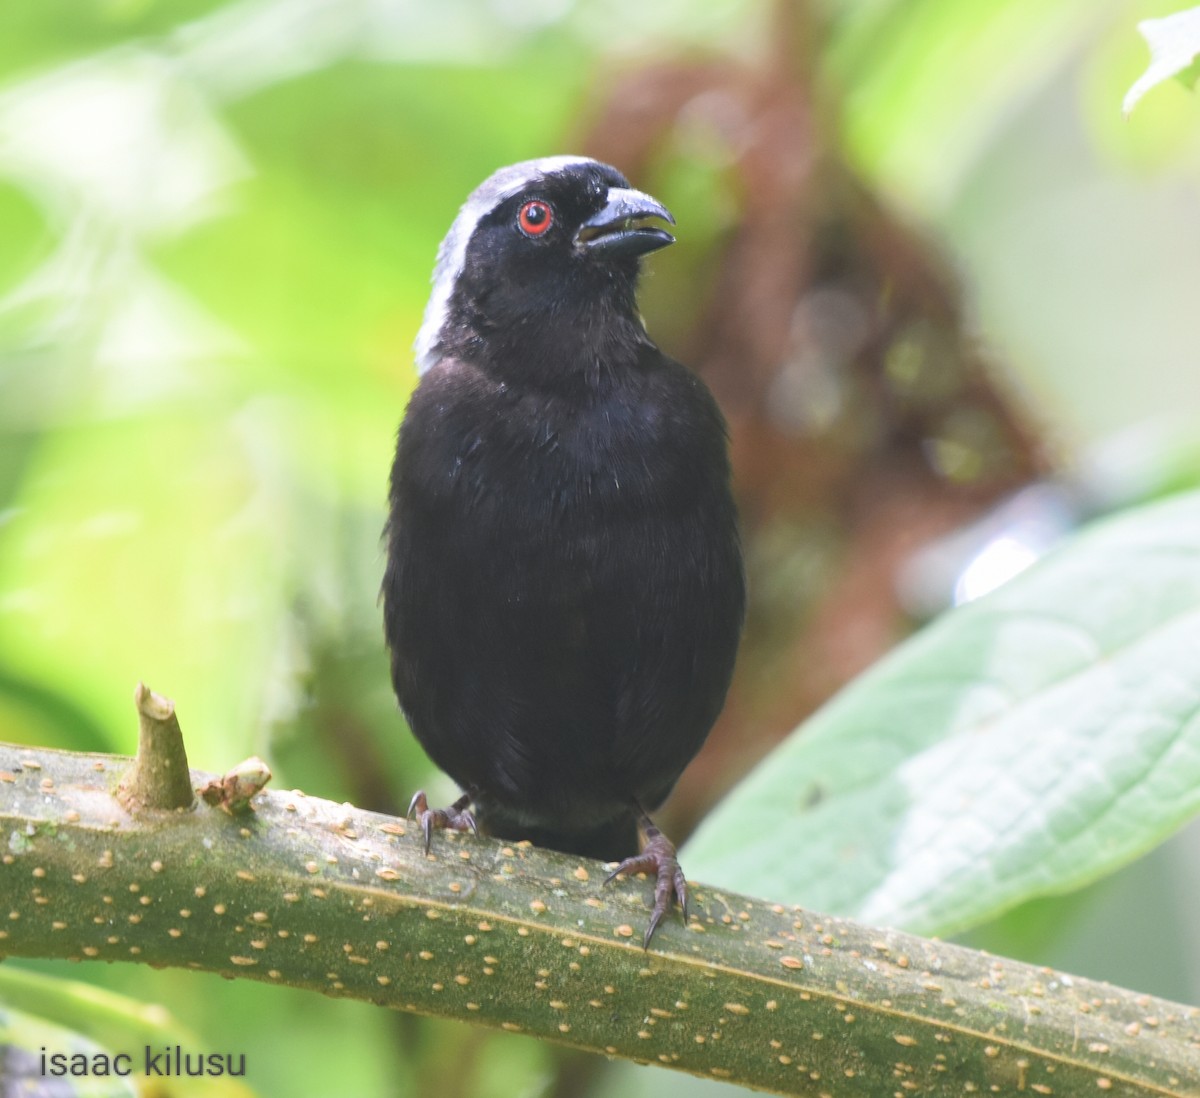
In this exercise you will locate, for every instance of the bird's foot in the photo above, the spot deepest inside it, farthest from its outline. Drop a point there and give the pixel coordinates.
(455, 818)
(657, 857)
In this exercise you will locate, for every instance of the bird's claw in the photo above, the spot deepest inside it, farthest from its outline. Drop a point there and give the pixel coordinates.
(658, 857)
(455, 818)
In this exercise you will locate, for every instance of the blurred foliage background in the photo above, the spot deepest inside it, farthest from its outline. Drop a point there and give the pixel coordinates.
(922, 260)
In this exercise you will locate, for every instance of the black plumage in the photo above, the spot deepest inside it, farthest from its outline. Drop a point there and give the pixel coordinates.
(564, 589)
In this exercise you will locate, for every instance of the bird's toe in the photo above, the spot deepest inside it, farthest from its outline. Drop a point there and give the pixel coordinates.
(458, 817)
(658, 858)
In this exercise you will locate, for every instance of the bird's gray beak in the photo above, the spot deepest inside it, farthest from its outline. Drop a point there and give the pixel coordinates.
(617, 228)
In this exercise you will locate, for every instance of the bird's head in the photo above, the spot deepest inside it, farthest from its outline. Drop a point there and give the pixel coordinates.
(541, 253)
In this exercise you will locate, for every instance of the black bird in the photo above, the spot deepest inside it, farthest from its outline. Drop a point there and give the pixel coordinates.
(564, 589)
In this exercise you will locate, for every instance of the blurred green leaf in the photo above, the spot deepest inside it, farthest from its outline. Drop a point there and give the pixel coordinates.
(34, 714)
(105, 1016)
(36, 34)
(25, 1042)
(92, 1022)
(337, 304)
(929, 83)
(25, 235)
(1024, 745)
(1174, 42)
(163, 530)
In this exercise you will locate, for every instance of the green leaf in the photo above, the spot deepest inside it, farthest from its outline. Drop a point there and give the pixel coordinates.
(1174, 42)
(1024, 745)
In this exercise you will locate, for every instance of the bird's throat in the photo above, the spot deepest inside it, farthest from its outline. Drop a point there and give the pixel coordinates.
(589, 355)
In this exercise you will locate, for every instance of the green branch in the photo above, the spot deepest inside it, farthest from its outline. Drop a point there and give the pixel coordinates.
(311, 894)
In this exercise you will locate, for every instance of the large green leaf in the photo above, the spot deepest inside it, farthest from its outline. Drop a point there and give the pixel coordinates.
(1023, 745)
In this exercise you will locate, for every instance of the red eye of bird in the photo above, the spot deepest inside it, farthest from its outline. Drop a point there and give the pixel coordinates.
(535, 218)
